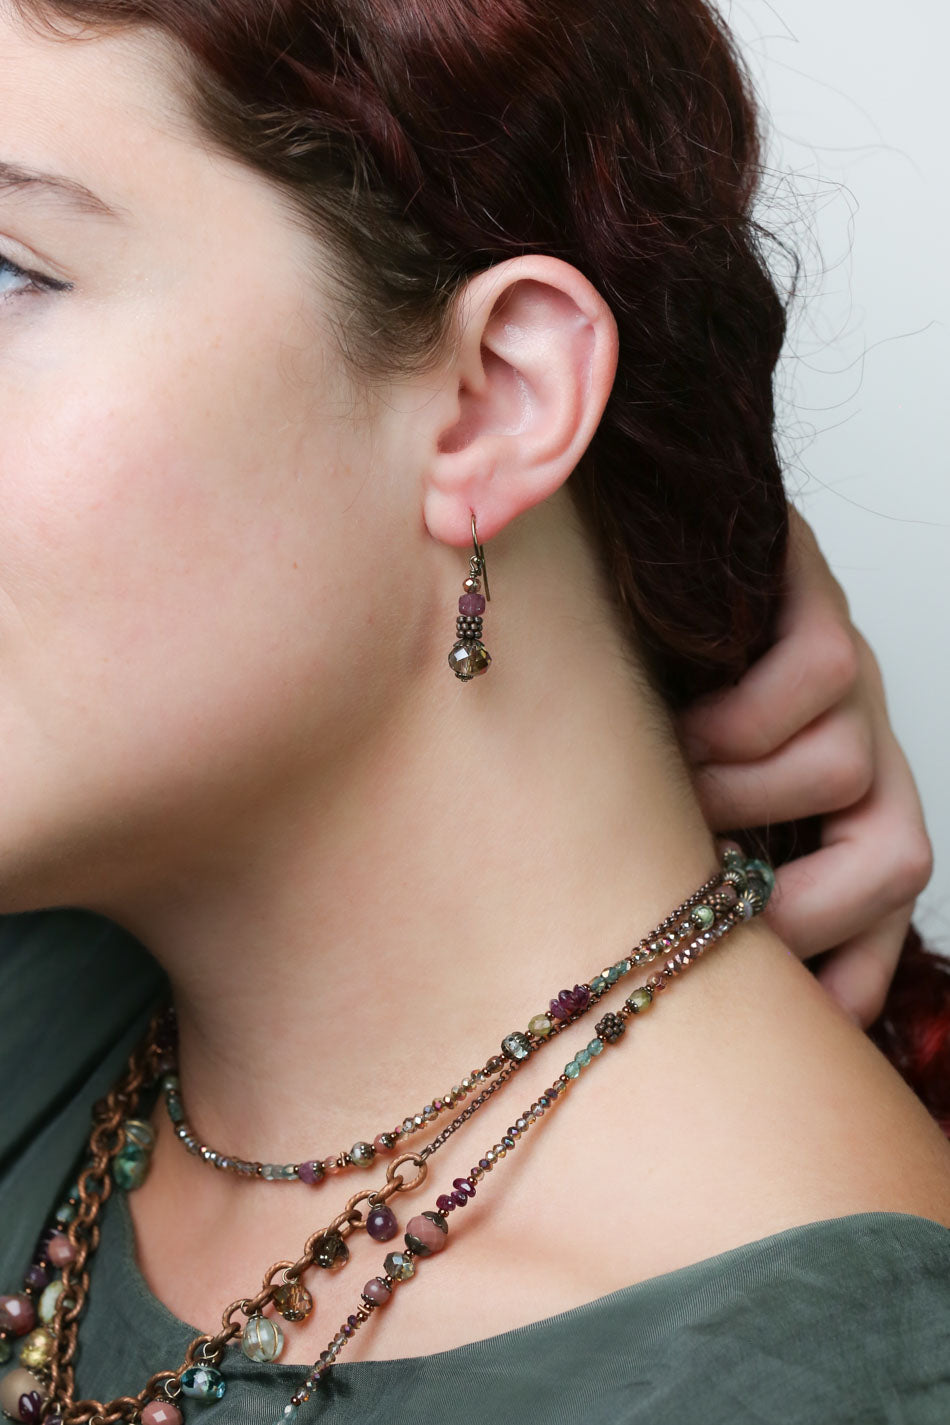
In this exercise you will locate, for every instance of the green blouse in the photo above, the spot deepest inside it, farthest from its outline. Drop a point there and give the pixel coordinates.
(843, 1320)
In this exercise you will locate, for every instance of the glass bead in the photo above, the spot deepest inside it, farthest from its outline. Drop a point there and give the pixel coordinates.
(37, 1349)
(541, 1026)
(332, 1252)
(399, 1266)
(203, 1383)
(17, 1314)
(703, 916)
(640, 1000)
(597, 984)
(377, 1291)
(262, 1339)
(613, 975)
(311, 1172)
(467, 660)
(140, 1132)
(47, 1306)
(596, 1046)
(130, 1167)
(516, 1046)
(161, 1412)
(22, 1395)
(381, 1223)
(362, 1154)
(293, 1301)
(582, 1057)
(572, 1070)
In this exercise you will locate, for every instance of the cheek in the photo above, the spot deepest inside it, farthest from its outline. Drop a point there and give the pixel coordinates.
(165, 583)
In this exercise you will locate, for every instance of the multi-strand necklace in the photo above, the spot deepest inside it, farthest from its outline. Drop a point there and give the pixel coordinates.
(43, 1316)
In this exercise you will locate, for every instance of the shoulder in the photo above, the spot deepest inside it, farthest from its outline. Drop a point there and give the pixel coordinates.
(70, 984)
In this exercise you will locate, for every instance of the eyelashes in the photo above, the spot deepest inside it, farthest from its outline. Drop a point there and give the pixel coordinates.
(35, 281)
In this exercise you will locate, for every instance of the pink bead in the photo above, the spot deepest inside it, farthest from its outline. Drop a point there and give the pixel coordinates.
(377, 1291)
(427, 1232)
(17, 1314)
(472, 604)
(382, 1144)
(728, 894)
(60, 1250)
(331, 1167)
(161, 1412)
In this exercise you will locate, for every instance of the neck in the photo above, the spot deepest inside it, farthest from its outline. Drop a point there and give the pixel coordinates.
(374, 937)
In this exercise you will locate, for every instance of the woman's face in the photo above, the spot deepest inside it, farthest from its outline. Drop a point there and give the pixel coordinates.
(191, 548)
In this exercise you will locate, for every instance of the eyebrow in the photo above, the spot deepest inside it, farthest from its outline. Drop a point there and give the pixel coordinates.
(77, 195)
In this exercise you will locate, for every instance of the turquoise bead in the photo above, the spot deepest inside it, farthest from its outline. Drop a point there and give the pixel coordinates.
(572, 1069)
(613, 975)
(597, 984)
(203, 1383)
(130, 1167)
(582, 1057)
(596, 1046)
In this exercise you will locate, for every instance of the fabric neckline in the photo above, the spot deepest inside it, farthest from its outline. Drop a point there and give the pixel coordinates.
(151, 1319)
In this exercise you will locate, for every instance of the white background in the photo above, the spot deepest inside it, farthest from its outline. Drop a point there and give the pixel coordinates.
(856, 93)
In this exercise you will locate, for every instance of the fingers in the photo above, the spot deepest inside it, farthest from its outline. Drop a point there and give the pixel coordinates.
(826, 768)
(858, 975)
(875, 860)
(812, 666)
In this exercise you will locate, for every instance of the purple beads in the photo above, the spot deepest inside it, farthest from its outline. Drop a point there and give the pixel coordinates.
(381, 1223)
(312, 1172)
(472, 604)
(570, 1002)
(445, 1203)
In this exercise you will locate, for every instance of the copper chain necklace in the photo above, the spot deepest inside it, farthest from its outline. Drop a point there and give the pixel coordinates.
(737, 892)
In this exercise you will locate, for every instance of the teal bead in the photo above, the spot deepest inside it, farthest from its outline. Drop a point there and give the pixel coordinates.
(130, 1167)
(203, 1383)
(613, 975)
(140, 1132)
(572, 1069)
(597, 984)
(761, 871)
(65, 1212)
(582, 1057)
(733, 860)
(625, 966)
(596, 1046)
(175, 1111)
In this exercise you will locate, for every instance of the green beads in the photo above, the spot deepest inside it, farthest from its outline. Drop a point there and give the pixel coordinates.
(203, 1383)
(640, 1000)
(131, 1164)
(703, 916)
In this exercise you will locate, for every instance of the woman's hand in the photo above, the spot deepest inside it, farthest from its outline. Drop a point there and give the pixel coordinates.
(805, 733)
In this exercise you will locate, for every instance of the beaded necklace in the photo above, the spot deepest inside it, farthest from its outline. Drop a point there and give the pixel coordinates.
(56, 1284)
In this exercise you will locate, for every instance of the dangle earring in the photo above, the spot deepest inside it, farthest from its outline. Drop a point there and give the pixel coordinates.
(469, 656)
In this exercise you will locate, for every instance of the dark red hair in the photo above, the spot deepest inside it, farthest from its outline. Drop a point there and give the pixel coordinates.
(423, 140)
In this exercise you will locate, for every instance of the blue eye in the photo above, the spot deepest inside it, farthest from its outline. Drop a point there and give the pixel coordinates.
(35, 281)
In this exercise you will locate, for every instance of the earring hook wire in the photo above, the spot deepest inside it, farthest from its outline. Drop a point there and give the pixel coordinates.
(479, 558)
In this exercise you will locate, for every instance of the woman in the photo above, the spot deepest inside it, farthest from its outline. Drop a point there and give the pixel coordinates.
(344, 287)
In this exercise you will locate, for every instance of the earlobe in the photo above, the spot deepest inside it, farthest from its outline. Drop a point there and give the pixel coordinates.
(533, 370)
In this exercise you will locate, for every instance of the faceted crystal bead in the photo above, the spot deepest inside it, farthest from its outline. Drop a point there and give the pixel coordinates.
(161, 1412)
(262, 1339)
(429, 1232)
(467, 660)
(540, 1026)
(332, 1251)
(203, 1383)
(399, 1266)
(293, 1301)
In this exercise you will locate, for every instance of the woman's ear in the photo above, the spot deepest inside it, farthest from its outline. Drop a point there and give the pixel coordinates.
(532, 371)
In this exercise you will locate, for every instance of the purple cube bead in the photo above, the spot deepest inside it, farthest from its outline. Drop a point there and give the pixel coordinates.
(472, 604)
